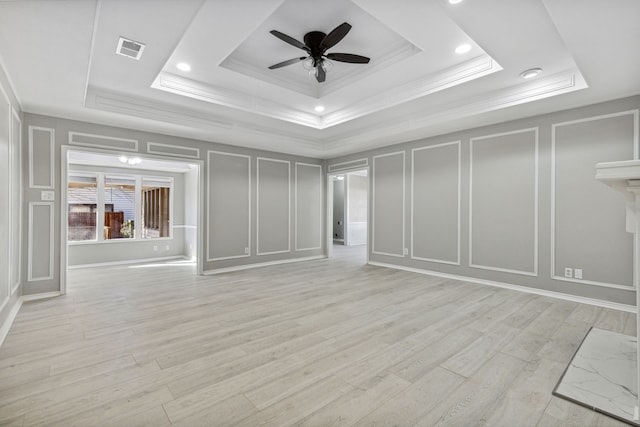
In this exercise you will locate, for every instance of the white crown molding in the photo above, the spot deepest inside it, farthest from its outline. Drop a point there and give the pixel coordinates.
(234, 99)
(314, 144)
(470, 70)
(387, 133)
(232, 133)
(118, 103)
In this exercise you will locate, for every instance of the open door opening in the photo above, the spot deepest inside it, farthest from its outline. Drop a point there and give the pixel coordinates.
(348, 228)
(120, 210)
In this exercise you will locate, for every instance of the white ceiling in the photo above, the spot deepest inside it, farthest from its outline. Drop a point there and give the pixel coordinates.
(60, 58)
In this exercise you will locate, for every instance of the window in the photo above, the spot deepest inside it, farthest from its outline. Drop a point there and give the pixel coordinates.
(125, 207)
(82, 201)
(156, 208)
(120, 207)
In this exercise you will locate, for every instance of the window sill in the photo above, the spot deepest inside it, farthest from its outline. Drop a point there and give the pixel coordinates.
(112, 241)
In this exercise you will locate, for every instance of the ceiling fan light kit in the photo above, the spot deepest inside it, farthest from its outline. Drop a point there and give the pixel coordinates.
(316, 44)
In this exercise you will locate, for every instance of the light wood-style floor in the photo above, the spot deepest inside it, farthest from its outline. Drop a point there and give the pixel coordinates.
(326, 342)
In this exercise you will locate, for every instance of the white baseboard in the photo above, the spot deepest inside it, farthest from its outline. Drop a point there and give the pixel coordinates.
(559, 295)
(43, 295)
(126, 262)
(260, 264)
(4, 329)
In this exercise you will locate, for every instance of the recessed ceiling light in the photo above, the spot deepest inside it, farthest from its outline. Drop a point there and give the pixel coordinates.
(183, 66)
(530, 73)
(463, 48)
(319, 108)
(455, 1)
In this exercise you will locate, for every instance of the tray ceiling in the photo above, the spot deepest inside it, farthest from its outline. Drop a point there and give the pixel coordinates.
(60, 57)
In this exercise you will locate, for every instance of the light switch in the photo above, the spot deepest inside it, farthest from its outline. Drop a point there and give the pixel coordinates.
(48, 196)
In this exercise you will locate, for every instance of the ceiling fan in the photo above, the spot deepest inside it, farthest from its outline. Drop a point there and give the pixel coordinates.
(316, 44)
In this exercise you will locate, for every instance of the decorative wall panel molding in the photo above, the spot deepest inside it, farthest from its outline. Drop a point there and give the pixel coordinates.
(273, 210)
(103, 141)
(41, 241)
(435, 203)
(503, 202)
(228, 206)
(576, 146)
(41, 157)
(173, 150)
(353, 164)
(308, 206)
(388, 199)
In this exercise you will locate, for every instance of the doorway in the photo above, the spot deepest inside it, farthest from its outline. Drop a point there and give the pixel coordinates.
(119, 210)
(348, 214)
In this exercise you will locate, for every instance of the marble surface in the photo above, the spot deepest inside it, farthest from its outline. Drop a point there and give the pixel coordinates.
(602, 375)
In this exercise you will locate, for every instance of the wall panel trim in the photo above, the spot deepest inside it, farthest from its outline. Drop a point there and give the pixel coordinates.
(534, 273)
(636, 150)
(267, 159)
(208, 206)
(373, 202)
(128, 144)
(178, 151)
(346, 166)
(296, 246)
(30, 276)
(50, 185)
(459, 144)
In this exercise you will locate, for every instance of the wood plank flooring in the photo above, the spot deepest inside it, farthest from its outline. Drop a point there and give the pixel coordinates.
(326, 342)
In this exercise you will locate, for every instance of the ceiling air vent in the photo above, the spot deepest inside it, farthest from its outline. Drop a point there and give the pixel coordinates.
(129, 48)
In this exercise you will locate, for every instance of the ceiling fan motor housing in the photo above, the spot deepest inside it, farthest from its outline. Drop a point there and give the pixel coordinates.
(313, 40)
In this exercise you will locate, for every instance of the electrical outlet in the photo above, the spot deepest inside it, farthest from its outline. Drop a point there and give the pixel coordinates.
(577, 273)
(48, 196)
(406, 251)
(246, 251)
(568, 272)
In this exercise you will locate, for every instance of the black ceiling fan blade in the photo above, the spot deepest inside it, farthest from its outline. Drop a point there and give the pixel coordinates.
(334, 37)
(321, 75)
(287, 62)
(288, 39)
(348, 57)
